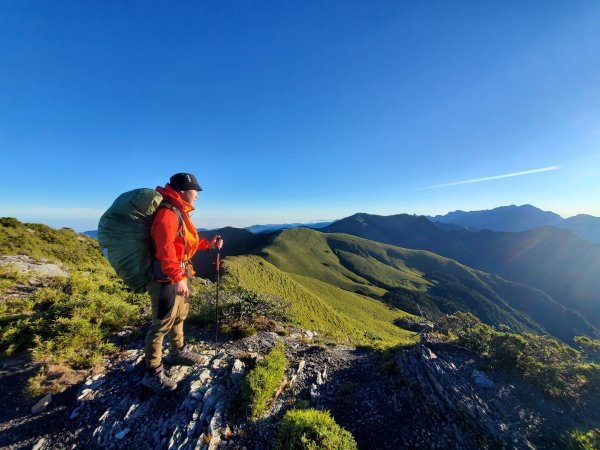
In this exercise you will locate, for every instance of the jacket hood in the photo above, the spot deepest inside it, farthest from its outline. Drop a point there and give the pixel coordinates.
(173, 197)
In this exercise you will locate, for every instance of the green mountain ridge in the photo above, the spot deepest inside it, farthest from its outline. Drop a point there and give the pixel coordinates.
(408, 279)
(550, 259)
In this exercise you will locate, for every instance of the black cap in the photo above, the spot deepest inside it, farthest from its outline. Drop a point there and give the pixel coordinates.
(184, 182)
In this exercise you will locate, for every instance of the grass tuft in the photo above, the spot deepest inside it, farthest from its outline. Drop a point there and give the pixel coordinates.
(259, 386)
(310, 429)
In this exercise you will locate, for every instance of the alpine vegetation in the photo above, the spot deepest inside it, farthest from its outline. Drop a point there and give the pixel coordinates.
(63, 320)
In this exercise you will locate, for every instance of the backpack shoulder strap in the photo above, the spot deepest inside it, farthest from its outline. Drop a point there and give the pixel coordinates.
(179, 217)
(180, 231)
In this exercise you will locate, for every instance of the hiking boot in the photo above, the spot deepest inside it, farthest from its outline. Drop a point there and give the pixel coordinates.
(158, 382)
(184, 356)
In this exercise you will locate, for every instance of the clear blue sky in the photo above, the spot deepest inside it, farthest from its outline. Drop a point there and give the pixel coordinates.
(292, 111)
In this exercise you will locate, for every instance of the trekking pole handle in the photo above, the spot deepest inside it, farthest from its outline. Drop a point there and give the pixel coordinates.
(216, 242)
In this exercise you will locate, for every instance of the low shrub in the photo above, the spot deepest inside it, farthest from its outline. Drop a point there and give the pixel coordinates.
(590, 348)
(413, 323)
(261, 383)
(310, 429)
(556, 368)
(10, 276)
(583, 440)
(247, 306)
(241, 311)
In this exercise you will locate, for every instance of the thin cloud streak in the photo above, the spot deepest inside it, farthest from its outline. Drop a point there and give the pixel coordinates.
(496, 177)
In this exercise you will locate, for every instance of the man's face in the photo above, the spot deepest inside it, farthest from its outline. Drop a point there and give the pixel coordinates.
(189, 196)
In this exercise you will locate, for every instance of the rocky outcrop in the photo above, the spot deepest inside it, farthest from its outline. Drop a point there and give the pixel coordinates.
(195, 418)
(430, 396)
(471, 408)
(39, 268)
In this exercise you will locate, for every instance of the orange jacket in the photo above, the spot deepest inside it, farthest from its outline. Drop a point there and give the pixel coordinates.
(172, 249)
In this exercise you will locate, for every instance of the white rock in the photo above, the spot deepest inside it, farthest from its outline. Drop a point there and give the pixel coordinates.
(195, 385)
(122, 434)
(314, 393)
(191, 428)
(130, 411)
(301, 366)
(42, 404)
(238, 367)
(95, 382)
(39, 444)
(214, 443)
(40, 267)
(178, 373)
(84, 394)
(205, 375)
(237, 372)
(200, 442)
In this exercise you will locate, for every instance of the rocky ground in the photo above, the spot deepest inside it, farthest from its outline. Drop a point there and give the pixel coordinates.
(424, 397)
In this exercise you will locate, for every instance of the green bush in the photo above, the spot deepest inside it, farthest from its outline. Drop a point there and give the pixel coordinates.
(245, 305)
(261, 383)
(554, 367)
(590, 348)
(10, 276)
(578, 440)
(312, 430)
(241, 311)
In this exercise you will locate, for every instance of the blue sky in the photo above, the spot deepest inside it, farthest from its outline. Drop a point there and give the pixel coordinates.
(291, 111)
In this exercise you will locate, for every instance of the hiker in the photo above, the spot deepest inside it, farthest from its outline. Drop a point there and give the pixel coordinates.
(175, 241)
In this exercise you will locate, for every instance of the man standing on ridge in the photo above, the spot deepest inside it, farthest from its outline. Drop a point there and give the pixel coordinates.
(175, 241)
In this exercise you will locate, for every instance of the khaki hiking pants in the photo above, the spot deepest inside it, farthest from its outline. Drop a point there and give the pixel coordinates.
(168, 313)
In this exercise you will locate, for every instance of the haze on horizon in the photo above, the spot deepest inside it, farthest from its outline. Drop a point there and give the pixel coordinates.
(299, 112)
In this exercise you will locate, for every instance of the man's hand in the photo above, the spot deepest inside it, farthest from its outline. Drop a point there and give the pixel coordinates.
(182, 288)
(216, 242)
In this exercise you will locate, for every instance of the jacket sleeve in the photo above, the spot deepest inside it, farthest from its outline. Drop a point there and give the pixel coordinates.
(203, 244)
(164, 233)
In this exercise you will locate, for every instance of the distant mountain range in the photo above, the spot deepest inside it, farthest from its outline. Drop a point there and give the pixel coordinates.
(284, 226)
(522, 218)
(256, 229)
(504, 218)
(91, 233)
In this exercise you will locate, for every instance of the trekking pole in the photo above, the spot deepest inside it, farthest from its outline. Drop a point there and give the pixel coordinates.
(217, 302)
